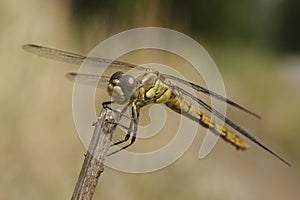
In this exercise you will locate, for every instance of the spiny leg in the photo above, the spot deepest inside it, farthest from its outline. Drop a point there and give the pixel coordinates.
(129, 129)
(121, 113)
(134, 121)
(105, 106)
(127, 136)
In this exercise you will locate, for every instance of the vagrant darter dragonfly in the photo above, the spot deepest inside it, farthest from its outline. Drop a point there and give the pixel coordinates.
(153, 87)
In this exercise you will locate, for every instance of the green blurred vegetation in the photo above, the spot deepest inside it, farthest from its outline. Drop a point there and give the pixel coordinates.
(254, 43)
(267, 24)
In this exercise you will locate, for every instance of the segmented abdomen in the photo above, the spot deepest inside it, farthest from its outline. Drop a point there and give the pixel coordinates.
(181, 105)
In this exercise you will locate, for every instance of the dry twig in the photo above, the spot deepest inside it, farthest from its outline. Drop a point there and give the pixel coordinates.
(93, 164)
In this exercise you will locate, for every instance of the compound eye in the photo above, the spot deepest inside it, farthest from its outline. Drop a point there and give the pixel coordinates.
(128, 83)
(115, 78)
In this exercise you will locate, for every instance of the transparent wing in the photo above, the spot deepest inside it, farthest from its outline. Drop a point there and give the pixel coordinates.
(87, 79)
(73, 58)
(211, 93)
(230, 123)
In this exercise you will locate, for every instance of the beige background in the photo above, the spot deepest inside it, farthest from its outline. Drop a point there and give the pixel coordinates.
(41, 154)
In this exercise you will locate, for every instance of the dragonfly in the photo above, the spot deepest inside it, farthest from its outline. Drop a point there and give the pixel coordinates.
(153, 87)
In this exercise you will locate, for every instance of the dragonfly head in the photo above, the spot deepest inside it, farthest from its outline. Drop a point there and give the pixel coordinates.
(121, 87)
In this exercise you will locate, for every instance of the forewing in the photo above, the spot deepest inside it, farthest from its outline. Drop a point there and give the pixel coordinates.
(229, 122)
(211, 93)
(74, 58)
(87, 79)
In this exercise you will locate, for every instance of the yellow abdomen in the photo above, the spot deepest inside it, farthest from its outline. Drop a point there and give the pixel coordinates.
(181, 105)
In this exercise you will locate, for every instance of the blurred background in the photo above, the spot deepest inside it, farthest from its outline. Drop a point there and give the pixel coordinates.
(255, 44)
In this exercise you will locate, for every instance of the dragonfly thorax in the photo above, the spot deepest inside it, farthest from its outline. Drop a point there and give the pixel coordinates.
(121, 87)
(153, 87)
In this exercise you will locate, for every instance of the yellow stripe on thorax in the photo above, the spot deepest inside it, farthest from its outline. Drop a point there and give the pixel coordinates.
(162, 92)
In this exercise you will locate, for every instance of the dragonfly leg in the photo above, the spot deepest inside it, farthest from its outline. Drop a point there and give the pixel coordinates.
(120, 125)
(105, 106)
(133, 122)
(127, 136)
(106, 103)
(121, 113)
(129, 129)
